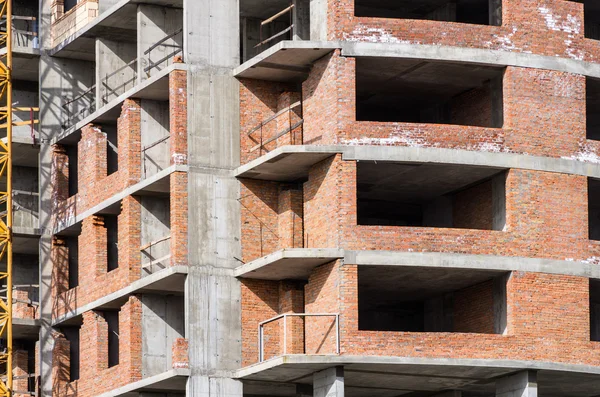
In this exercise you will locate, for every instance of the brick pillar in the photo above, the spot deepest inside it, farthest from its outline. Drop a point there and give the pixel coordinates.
(180, 357)
(291, 213)
(179, 216)
(129, 140)
(129, 223)
(130, 339)
(59, 177)
(60, 271)
(290, 119)
(91, 158)
(20, 372)
(291, 300)
(93, 345)
(92, 250)
(22, 308)
(61, 364)
(178, 114)
(37, 369)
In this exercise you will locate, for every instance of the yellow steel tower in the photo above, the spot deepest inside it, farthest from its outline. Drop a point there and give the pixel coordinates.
(6, 118)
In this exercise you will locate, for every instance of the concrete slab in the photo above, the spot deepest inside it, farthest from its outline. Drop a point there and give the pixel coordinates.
(26, 63)
(25, 151)
(288, 60)
(405, 374)
(26, 240)
(170, 381)
(285, 61)
(25, 328)
(292, 162)
(296, 263)
(116, 23)
(167, 281)
(155, 88)
(158, 183)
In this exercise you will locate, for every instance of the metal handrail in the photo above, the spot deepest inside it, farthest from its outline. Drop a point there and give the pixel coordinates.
(272, 19)
(291, 127)
(261, 353)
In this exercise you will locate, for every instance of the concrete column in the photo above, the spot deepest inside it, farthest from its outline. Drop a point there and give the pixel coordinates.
(154, 23)
(115, 73)
(318, 20)
(329, 383)
(522, 384)
(301, 19)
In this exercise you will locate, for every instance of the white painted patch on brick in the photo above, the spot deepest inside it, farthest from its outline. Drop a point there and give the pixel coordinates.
(375, 35)
(179, 158)
(570, 24)
(586, 154)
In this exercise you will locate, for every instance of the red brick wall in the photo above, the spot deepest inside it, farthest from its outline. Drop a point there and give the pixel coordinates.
(179, 218)
(473, 107)
(178, 115)
(20, 372)
(472, 208)
(322, 296)
(180, 358)
(290, 217)
(473, 309)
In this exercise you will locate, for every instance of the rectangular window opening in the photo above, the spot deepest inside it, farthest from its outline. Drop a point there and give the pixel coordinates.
(73, 165)
(72, 335)
(591, 18)
(416, 91)
(111, 222)
(112, 321)
(112, 149)
(73, 260)
(480, 12)
(431, 195)
(592, 108)
(70, 4)
(431, 300)
(595, 310)
(594, 209)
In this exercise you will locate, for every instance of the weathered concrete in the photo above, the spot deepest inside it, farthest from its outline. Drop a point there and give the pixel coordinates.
(329, 383)
(318, 20)
(155, 23)
(301, 19)
(170, 381)
(115, 74)
(453, 393)
(156, 226)
(522, 384)
(156, 155)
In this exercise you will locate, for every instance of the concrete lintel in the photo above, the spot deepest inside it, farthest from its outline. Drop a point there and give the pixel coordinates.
(289, 263)
(149, 184)
(315, 363)
(170, 381)
(166, 280)
(292, 162)
(155, 88)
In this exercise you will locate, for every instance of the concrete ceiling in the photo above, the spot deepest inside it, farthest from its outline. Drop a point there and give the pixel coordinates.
(415, 183)
(382, 285)
(415, 83)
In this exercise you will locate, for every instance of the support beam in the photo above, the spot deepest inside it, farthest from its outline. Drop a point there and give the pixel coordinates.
(329, 383)
(522, 384)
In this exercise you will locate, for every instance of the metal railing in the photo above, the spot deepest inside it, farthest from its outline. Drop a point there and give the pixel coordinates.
(272, 19)
(290, 128)
(146, 250)
(25, 33)
(177, 49)
(80, 107)
(261, 346)
(113, 92)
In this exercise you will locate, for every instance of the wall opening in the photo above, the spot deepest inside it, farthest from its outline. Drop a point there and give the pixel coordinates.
(112, 149)
(594, 209)
(431, 195)
(112, 241)
(412, 299)
(73, 260)
(591, 19)
(592, 108)
(69, 5)
(112, 322)
(481, 12)
(72, 335)
(416, 91)
(73, 165)
(595, 310)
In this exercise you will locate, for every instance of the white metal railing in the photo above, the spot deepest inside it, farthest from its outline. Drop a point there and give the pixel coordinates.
(261, 353)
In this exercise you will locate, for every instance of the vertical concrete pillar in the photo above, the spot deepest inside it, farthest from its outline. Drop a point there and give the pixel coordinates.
(301, 20)
(522, 384)
(329, 383)
(318, 20)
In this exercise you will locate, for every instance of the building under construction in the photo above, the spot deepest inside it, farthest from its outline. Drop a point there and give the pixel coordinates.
(295, 198)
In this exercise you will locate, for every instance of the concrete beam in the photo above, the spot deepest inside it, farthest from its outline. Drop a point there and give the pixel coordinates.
(329, 383)
(297, 263)
(291, 162)
(167, 382)
(522, 384)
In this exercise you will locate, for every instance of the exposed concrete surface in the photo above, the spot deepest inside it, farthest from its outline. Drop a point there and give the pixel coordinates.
(329, 382)
(291, 162)
(170, 381)
(297, 263)
(522, 384)
(260, 67)
(169, 280)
